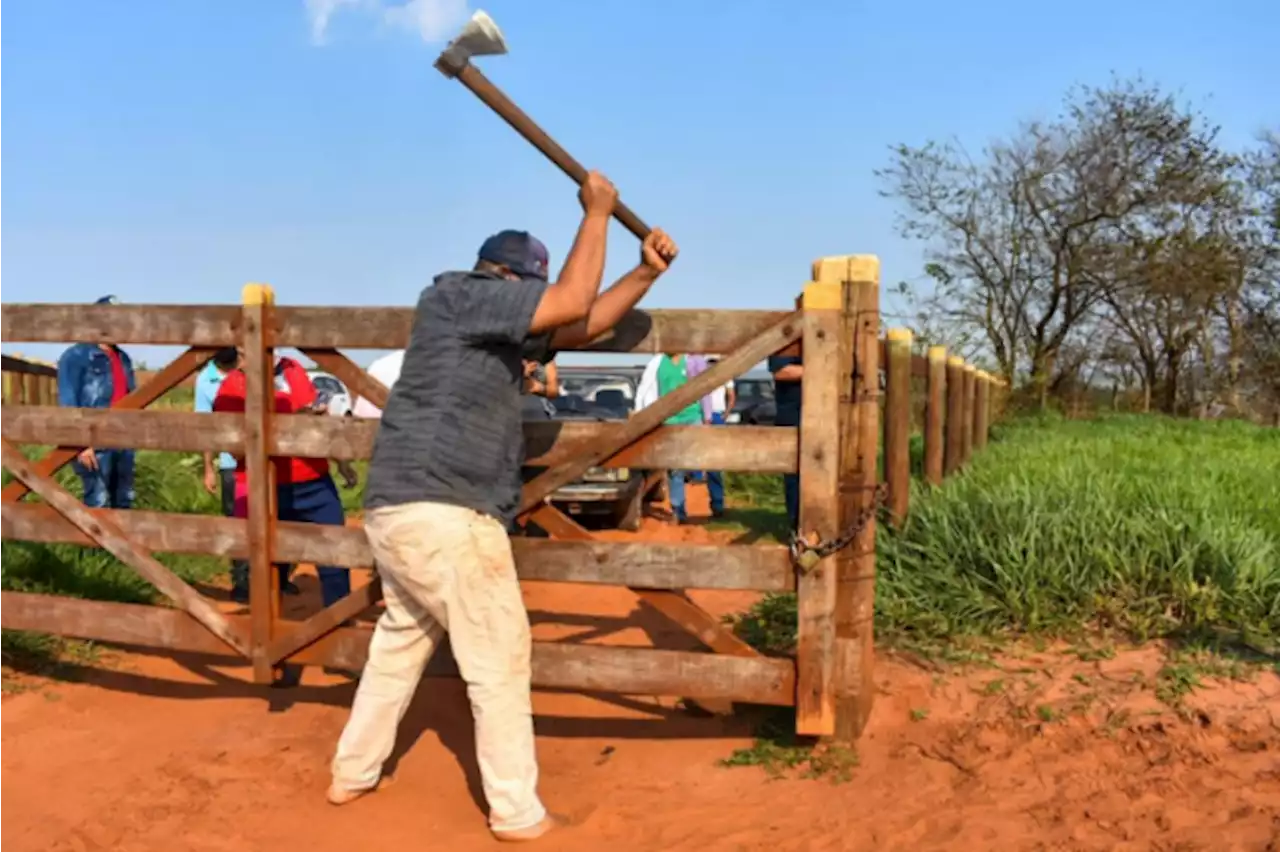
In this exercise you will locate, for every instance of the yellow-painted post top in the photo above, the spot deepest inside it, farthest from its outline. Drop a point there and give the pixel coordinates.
(258, 294)
(969, 368)
(937, 353)
(955, 361)
(821, 296)
(847, 267)
(898, 335)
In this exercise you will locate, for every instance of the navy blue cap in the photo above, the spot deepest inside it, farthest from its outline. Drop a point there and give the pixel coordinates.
(519, 251)
(107, 300)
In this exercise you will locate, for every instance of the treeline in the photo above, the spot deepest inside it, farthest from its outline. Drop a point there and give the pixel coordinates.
(1119, 249)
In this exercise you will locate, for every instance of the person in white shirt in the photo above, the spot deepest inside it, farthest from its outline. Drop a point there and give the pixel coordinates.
(386, 370)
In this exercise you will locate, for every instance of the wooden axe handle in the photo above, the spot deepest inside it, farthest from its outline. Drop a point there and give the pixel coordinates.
(473, 79)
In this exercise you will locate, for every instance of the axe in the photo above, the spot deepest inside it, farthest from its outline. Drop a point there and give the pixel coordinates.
(481, 37)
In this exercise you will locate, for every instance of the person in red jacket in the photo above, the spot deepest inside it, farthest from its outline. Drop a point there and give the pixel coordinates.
(304, 489)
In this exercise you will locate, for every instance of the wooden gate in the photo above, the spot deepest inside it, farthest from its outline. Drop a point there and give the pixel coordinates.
(834, 450)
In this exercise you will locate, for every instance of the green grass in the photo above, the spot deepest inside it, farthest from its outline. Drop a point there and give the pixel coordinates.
(1142, 526)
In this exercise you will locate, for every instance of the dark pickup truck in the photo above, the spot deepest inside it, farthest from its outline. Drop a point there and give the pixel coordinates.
(614, 495)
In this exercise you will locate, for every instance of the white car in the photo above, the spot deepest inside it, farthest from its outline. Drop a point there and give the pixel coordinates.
(329, 385)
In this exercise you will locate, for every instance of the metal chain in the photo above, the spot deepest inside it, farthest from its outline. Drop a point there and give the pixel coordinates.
(806, 555)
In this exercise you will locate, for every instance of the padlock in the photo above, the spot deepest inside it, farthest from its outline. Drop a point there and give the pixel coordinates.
(807, 561)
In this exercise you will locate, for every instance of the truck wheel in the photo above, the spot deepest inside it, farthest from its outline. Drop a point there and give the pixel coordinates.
(629, 513)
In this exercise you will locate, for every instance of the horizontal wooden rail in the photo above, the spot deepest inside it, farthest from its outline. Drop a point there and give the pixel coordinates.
(657, 331)
(634, 671)
(10, 364)
(765, 568)
(709, 331)
(762, 449)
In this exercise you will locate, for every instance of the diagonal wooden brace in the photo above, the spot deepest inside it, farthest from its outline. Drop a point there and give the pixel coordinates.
(177, 370)
(351, 374)
(674, 605)
(735, 363)
(111, 538)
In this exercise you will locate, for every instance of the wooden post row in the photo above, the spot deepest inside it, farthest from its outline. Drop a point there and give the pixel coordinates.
(897, 422)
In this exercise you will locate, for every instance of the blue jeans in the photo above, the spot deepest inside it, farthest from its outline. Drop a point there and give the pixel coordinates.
(791, 492)
(675, 493)
(315, 502)
(111, 485)
(715, 478)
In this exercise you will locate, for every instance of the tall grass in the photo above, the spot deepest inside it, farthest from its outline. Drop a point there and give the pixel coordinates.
(1148, 525)
(164, 482)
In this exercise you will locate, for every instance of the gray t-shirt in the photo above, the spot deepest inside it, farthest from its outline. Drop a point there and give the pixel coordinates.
(450, 432)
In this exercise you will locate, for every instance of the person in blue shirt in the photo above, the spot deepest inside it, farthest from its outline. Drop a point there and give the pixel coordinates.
(787, 371)
(98, 375)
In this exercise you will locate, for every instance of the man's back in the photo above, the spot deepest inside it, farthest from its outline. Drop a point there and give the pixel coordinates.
(451, 430)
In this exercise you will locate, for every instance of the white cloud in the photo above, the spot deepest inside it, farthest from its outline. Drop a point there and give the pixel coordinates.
(430, 20)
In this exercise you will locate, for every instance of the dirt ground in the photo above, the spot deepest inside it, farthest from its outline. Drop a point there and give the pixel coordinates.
(1045, 751)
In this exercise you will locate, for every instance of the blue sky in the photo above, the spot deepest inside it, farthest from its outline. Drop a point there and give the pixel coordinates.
(171, 150)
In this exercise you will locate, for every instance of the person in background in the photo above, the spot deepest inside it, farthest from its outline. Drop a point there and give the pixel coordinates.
(386, 370)
(721, 401)
(221, 479)
(444, 484)
(98, 375)
(305, 490)
(788, 371)
(539, 386)
(672, 374)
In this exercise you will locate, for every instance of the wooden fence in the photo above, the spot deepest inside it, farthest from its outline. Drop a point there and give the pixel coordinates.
(961, 402)
(28, 382)
(834, 450)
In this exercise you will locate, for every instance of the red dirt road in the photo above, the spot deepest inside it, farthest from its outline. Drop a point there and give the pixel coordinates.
(149, 753)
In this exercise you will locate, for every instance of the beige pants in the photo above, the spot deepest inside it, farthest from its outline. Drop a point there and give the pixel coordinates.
(446, 568)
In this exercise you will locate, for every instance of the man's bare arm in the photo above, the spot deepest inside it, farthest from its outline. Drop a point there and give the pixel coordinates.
(569, 300)
(657, 253)
(790, 373)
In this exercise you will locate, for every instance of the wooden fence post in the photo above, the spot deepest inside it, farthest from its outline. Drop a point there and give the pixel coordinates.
(825, 378)
(953, 456)
(966, 421)
(859, 278)
(935, 414)
(259, 408)
(897, 422)
(981, 410)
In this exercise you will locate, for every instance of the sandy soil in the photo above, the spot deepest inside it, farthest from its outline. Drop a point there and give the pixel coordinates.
(1045, 752)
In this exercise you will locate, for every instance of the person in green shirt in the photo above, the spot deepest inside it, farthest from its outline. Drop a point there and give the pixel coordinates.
(672, 373)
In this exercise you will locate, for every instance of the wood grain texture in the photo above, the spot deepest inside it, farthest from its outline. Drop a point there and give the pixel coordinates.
(176, 371)
(966, 414)
(642, 422)
(765, 568)
(935, 414)
(953, 455)
(343, 327)
(981, 411)
(825, 377)
(631, 671)
(897, 427)
(111, 538)
(259, 414)
(762, 449)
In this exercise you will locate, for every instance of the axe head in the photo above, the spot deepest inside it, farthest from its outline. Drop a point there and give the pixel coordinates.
(480, 37)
